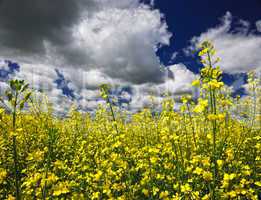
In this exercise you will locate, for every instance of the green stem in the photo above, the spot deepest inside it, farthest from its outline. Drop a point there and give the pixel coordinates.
(192, 125)
(15, 157)
(214, 130)
(113, 115)
(214, 125)
(186, 136)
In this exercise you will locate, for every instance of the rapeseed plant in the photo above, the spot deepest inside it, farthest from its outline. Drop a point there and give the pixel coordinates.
(208, 149)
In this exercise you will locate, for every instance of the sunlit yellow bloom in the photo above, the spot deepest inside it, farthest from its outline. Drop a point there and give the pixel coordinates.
(202, 105)
(230, 154)
(96, 195)
(97, 176)
(214, 84)
(185, 188)
(220, 163)
(155, 190)
(10, 197)
(145, 192)
(198, 171)
(196, 83)
(153, 160)
(207, 176)
(61, 188)
(232, 194)
(3, 175)
(258, 183)
(206, 197)
(164, 194)
(206, 162)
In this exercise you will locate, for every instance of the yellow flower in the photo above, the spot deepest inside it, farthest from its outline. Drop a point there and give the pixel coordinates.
(213, 117)
(220, 163)
(232, 194)
(202, 105)
(153, 160)
(13, 134)
(155, 190)
(221, 117)
(230, 154)
(3, 175)
(185, 188)
(206, 162)
(96, 195)
(209, 136)
(36, 156)
(10, 197)
(198, 171)
(207, 176)
(184, 100)
(97, 176)
(19, 130)
(160, 177)
(164, 194)
(196, 83)
(145, 192)
(232, 176)
(246, 170)
(206, 197)
(203, 52)
(61, 188)
(52, 178)
(214, 84)
(258, 183)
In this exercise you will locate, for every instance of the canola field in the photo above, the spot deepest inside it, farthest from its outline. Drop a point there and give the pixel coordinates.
(207, 149)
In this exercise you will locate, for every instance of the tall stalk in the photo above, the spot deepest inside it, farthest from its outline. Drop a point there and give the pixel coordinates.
(15, 157)
(105, 95)
(15, 101)
(214, 128)
(192, 125)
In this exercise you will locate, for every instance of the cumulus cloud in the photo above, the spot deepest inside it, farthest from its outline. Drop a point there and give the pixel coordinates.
(74, 46)
(238, 47)
(118, 43)
(117, 37)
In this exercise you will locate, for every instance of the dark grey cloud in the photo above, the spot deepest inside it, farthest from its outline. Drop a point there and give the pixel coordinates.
(25, 24)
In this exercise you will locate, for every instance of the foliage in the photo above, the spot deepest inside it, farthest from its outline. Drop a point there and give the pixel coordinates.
(208, 149)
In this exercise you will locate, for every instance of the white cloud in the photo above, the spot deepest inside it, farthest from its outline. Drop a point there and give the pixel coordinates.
(258, 25)
(39, 76)
(177, 82)
(118, 43)
(3, 87)
(238, 48)
(3, 65)
(174, 56)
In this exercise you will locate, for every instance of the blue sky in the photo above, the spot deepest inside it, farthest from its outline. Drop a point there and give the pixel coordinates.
(67, 50)
(187, 19)
(190, 18)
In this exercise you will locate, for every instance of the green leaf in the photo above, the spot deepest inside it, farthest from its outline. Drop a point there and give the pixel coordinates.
(12, 84)
(9, 95)
(25, 87)
(27, 96)
(22, 105)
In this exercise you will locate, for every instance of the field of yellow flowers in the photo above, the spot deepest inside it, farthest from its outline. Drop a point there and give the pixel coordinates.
(208, 149)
